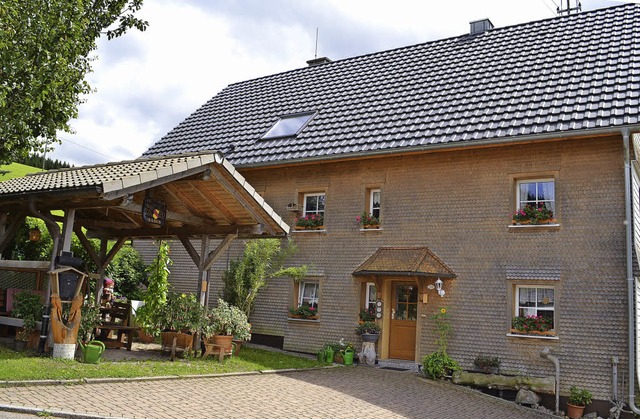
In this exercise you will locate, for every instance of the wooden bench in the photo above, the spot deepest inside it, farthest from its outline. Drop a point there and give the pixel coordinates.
(212, 349)
(116, 319)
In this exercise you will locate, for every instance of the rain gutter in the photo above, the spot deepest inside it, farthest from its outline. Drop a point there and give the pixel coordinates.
(440, 146)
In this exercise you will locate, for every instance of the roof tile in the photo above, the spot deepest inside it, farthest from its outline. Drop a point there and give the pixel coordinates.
(506, 83)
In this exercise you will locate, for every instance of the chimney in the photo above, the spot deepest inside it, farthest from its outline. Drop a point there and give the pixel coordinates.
(480, 26)
(318, 61)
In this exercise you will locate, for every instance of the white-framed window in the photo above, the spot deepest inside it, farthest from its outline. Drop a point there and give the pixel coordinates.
(314, 204)
(308, 293)
(535, 300)
(370, 295)
(536, 193)
(374, 203)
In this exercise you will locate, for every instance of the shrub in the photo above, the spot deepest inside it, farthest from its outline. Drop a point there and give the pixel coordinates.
(439, 364)
(486, 363)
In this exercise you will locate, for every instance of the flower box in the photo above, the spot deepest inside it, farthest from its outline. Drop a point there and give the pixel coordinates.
(300, 228)
(530, 214)
(533, 332)
(299, 316)
(371, 226)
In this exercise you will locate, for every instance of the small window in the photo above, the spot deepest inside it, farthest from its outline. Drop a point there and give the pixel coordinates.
(288, 126)
(308, 294)
(534, 310)
(374, 203)
(536, 193)
(370, 297)
(314, 204)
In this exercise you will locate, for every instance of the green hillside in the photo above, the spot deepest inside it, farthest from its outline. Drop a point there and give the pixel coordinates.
(16, 170)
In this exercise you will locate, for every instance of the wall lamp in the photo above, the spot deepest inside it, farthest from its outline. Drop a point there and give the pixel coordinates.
(439, 287)
(34, 234)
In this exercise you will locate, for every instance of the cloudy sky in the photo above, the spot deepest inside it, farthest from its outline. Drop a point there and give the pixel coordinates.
(146, 83)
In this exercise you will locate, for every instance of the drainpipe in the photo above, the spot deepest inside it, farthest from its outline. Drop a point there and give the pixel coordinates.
(614, 377)
(546, 354)
(630, 279)
(54, 230)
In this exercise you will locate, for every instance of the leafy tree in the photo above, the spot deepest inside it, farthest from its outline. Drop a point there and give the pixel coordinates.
(262, 260)
(155, 298)
(128, 272)
(45, 48)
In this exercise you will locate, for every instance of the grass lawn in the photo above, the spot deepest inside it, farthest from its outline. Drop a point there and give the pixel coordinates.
(27, 366)
(16, 170)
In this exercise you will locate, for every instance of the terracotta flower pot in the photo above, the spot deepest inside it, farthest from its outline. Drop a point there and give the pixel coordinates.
(574, 411)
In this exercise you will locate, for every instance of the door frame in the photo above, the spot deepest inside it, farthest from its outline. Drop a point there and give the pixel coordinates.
(387, 294)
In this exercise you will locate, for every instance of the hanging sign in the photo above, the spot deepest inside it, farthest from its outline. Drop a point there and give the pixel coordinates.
(154, 212)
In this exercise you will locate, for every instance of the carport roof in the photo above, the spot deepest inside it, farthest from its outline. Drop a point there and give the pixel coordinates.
(203, 194)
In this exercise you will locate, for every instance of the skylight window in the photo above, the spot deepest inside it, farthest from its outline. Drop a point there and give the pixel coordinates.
(289, 125)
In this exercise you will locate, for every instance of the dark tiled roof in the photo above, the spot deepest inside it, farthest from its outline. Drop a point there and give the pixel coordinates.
(554, 76)
(418, 261)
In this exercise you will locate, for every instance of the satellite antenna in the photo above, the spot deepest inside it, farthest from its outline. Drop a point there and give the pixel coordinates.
(569, 9)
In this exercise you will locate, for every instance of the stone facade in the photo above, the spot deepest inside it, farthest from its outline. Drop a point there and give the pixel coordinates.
(459, 203)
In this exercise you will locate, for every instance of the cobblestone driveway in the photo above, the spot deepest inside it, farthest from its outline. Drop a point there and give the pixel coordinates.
(360, 392)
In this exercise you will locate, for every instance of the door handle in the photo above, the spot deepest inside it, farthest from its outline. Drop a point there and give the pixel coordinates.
(393, 314)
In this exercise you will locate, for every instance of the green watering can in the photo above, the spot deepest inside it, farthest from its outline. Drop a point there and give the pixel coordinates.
(92, 351)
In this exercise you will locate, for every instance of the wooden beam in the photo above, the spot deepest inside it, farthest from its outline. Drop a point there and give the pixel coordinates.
(214, 254)
(241, 199)
(11, 229)
(172, 216)
(167, 231)
(158, 182)
(177, 193)
(195, 257)
(105, 223)
(87, 245)
(116, 247)
(69, 219)
(222, 208)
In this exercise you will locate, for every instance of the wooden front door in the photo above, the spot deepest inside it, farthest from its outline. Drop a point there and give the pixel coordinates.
(404, 314)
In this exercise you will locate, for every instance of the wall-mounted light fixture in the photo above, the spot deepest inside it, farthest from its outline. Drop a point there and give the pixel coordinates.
(34, 234)
(439, 287)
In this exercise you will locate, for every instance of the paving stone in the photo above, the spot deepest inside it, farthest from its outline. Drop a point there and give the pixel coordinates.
(336, 392)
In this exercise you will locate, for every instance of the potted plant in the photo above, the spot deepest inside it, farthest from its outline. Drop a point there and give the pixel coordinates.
(579, 398)
(225, 323)
(367, 314)
(487, 364)
(305, 311)
(532, 325)
(346, 351)
(370, 331)
(179, 318)
(91, 318)
(367, 220)
(28, 307)
(310, 222)
(530, 214)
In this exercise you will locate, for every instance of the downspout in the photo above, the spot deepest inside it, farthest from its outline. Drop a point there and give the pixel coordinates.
(54, 230)
(630, 279)
(546, 354)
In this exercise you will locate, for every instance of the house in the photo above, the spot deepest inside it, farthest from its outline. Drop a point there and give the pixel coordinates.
(443, 142)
